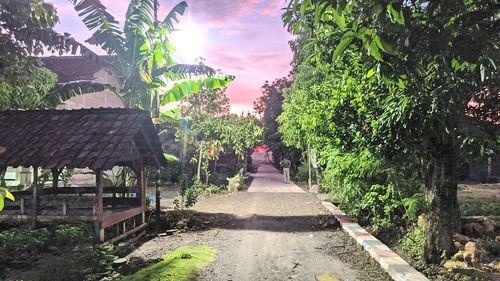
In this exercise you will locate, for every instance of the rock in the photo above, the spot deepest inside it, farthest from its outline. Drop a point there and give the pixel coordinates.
(459, 256)
(473, 229)
(171, 231)
(108, 247)
(110, 257)
(181, 224)
(458, 246)
(421, 221)
(136, 263)
(53, 248)
(478, 229)
(494, 266)
(461, 238)
(489, 227)
(474, 254)
(453, 265)
(331, 222)
(119, 262)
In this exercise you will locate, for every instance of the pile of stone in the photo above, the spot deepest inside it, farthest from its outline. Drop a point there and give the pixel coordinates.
(471, 255)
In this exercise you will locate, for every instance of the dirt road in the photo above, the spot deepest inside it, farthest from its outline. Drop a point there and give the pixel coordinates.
(272, 236)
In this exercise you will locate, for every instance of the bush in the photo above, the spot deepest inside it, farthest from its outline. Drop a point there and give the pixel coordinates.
(369, 188)
(49, 248)
(212, 189)
(302, 174)
(236, 182)
(189, 194)
(20, 246)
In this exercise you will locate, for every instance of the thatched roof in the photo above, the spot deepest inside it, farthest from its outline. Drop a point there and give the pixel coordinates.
(97, 138)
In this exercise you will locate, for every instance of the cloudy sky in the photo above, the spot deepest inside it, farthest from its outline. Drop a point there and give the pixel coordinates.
(244, 38)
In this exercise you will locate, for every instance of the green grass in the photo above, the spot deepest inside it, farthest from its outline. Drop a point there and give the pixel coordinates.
(180, 265)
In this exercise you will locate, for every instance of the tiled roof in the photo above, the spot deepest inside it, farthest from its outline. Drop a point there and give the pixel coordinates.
(73, 68)
(98, 138)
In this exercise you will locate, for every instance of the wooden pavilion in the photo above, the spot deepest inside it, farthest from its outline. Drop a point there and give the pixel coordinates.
(98, 139)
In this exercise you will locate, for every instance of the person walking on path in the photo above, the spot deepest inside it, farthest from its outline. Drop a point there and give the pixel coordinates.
(285, 163)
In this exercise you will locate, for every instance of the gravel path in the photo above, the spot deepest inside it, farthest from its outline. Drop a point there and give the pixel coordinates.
(271, 236)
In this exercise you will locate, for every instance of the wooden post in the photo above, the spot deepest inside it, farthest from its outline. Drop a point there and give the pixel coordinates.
(198, 173)
(309, 179)
(22, 206)
(64, 207)
(157, 197)
(34, 207)
(142, 189)
(99, 205)
(55, 177)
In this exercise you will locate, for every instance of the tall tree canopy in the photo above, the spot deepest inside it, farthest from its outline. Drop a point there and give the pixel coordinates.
(398, 78)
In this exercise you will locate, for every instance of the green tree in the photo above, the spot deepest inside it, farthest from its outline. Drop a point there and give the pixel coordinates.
(26, 30)
(400, 77)
(209, 102)
(269, 107)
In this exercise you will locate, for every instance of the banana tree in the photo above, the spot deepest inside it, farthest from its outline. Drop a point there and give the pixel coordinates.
(151, 77)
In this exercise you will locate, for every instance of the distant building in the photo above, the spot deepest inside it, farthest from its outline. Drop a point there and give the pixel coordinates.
(75, 68)
(78, 68)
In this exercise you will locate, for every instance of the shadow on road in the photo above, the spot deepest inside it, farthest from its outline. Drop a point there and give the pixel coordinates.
(270, 223)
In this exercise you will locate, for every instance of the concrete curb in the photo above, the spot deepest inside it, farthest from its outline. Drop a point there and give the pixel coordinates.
(394, 265)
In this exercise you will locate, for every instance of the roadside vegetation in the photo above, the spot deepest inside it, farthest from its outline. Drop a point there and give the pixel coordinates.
(394, 99)
(209, 147)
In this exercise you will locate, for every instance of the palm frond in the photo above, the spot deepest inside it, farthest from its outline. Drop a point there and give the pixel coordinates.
(192, 86)
(139, 20)
(106, 34)
(171, 17)
(184, 71)
(64, 91)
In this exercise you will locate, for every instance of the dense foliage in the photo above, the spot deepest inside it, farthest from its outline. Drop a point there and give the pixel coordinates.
(397, 79)
(269, 107)
(70, 245)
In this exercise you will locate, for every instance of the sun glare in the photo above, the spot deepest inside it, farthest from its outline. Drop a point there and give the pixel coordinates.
(188, 41)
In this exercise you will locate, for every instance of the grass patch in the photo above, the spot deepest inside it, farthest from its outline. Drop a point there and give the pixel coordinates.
(479, 206)
(180, 265)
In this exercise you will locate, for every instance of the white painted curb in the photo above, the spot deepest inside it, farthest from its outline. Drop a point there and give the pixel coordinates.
(394, 265)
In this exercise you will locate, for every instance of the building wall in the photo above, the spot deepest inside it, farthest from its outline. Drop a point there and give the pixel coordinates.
(104, 98)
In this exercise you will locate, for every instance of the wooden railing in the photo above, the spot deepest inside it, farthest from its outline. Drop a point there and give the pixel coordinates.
(72, 203)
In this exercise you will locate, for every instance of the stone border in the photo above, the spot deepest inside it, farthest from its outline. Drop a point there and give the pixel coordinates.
(394, 265)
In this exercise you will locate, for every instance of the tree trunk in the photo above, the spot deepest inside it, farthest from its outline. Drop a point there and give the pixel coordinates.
(198, 172)
(443, 217)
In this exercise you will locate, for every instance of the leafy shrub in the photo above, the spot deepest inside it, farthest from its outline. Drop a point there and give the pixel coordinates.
(49, 248)
(212, 189)
(20, 246)
(236, 182)
(189, 194)
(67, 234)
(479, 207)
(83, 261)
(302, 174)
(414, 206)
(369, 188)
(411, 244)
